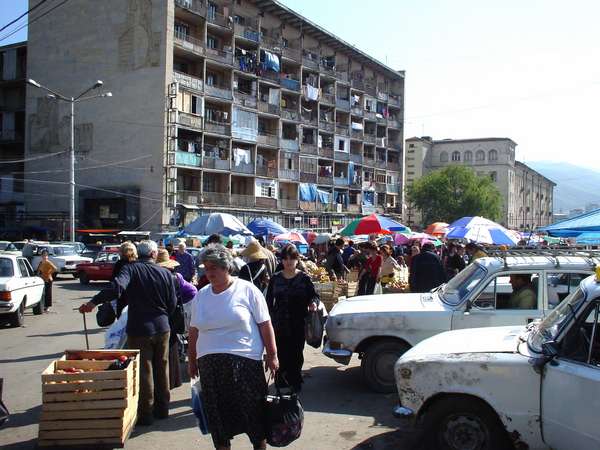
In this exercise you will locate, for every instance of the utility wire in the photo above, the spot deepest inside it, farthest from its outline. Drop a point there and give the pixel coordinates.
(35, 158)
(23, 15)
(6, 36)
(107, 164)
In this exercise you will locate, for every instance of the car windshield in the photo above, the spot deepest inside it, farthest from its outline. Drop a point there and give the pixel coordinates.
(4, 245)
(64, 250)
(548, 329)
(459, 287)
(6, 267)
(19, 245)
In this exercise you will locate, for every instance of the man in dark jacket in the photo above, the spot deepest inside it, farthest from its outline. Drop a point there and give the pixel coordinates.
(335, 263)
(426, 270)
(151, 298)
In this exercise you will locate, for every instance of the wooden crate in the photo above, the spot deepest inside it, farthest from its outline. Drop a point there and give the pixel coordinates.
(97, 407)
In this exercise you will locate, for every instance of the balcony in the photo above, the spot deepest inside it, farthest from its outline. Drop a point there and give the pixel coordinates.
(369, 161)
(393, 188)
(309, 149)
(295, 54)
(325, 206)
(269, 75)
(395, 145)
(394, 100)
(195, 6)
(371, 115)
(393, 123)
(356, 183)
(324, 180)
(380, 187)
(381, 163)
(326, 126)
(342, 104)
(189, 120)
(290, 84)
(309, 120)
(326, 152)
(246, 31)
(188, 81)
(342, 130)
(328, 98)
(221, 56)
(268, 108)
(266, 171)
(308, 177)
(340, 181)
(210, 162)
(370, 138)
(265, 138)
(287, 203)
(357, 134)
(357, 111)
(218, 19)
(247, 201)
(243, 168)
(266, 202)
(270, 43)
(290, 144)
(217, 127)
(311, 61)
(342, 156)
(219, 92)
(289, 174)
(354, 208)
(188, 159)
(215, 198)
(290, 114)
(188, 43)
(356, 158)
(247, 100)
(393, 166)
(381, 95)
(359, 85)
(380, 119)
(327, 70)
(189, 197)
(341, 76)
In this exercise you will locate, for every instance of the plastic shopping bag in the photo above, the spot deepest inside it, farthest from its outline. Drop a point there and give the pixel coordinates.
(314, 325)
(116, 335)
(198, 406)
(378, 289)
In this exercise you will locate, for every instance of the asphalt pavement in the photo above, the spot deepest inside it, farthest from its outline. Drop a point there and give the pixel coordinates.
(340, 412)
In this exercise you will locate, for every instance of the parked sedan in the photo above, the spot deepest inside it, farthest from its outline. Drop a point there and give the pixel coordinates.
(99, 270)
(19, 289)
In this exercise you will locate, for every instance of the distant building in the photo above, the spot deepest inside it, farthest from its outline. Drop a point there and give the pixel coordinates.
(576, 212)
(528, 195)
(591, 207)
(557, 217)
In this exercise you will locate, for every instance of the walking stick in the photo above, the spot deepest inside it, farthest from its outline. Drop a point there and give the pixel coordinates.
(87, 342)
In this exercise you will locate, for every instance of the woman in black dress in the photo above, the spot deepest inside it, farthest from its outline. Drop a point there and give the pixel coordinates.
(291, 294)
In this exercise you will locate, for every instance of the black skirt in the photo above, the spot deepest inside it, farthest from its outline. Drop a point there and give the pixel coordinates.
(233, 392)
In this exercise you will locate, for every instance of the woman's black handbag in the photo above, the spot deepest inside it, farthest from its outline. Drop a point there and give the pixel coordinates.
(105, 316)
(284, 418)
(314, 327)
(177, 319)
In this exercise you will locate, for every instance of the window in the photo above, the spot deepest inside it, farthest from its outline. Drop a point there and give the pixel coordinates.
(581, 341)
(267, 190)
(455, 156)
(468, 156)
(561, 285)
(411, 145)
(23, 268)
(480, 155)
(341, 145)
(443, 157)
(517, 291)
(493, 155)
(494, 176)
(196, 105)
(209, 184)
(182, 30)
(6, 267)
(211, 42)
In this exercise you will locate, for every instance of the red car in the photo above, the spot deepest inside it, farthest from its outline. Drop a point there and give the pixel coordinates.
(99, 270)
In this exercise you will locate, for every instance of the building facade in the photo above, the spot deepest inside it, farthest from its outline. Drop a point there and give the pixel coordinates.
(528, 195)
(241, 106)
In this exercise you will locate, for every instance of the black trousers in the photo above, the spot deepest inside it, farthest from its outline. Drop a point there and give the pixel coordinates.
(290, 349)
(47, 294)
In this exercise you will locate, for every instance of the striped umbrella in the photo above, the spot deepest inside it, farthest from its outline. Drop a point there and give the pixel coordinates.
(291, 236)
(481, 230)
(373, 224)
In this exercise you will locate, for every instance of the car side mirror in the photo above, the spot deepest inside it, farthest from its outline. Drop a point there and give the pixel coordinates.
(550, 349)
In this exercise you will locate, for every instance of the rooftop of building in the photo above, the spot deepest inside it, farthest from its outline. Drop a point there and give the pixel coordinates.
(519, 163)
(322, 35)
(13, 45)
(430, 140)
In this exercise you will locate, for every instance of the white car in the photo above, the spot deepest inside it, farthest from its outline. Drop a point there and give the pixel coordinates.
(380, 328)
(64, 257)
(528, 387)
(19, 289)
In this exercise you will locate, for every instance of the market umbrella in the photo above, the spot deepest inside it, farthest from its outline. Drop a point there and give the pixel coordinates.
(291, 236)
(310, 236)
(406, 238)
(373, 224)
(437, 229)
(264, 227)
(322, 238)
(217, 223)
(481, 230)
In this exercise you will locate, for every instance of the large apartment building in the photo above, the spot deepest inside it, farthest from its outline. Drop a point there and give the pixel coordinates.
(224, 105)
(527, 194)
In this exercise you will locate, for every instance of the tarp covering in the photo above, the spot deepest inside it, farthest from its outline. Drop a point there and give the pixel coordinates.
(573, 227)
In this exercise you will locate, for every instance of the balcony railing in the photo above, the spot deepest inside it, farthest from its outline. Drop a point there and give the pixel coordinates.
(357, 134)
(341, 75)
(290, 114)
(381, 142)
(395, 145)
(311, 62)
(218, 19)
(307, 206)
(324, 180)
(328, 98)
(269, 75)
(219, 55)
(266, 171)
(267, 139)
(215, 198)
(393, 123)
(381, 120)
(380, 187)
(341, 181)
(357, 84)
(370, 138)
(341, 103)
(188, 159)
(188, 81)
(309, 120)
(289, 174)
(195, 6)
(308, 177)
(326, 126)
(342, 130)
(247, 100)
(287, 203)
(188, 42)
(325, 206)
(309, 149)
(189, 120)
(219, 92)
(356, 158)
(353, 208)
(209, 162)
(357, 111)
(394, 166)
(189, 197)
(327, 70)
(370, 88)
(381, 163)
(270, 43)
(268, 108)
(266, 202)
(217, 127)
(393, 188)
(243, 168)
(394, 100)
(326, 152)
(290, 144)
(247, 31)
(295, 54)
(369, 161)
(243, 200)
(290, 84)
(342, 156)
(381, 95)
(356, 183)
(371, 115)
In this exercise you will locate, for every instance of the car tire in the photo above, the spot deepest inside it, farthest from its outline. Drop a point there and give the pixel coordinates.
(83, 278)
(378, 364)
(17, 319)
(39, 307)
(459, 423)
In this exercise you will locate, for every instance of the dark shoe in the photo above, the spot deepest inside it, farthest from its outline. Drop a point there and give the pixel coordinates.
(145, 420)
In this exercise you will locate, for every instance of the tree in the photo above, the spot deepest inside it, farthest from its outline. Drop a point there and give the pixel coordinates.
(454, 192)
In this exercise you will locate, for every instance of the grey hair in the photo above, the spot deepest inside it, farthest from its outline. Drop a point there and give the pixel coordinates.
(145, 248)
(218, 255)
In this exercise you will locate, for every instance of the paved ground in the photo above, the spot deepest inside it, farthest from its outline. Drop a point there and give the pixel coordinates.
(340, 412)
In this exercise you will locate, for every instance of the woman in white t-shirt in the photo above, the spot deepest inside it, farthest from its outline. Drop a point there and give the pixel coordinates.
(229, 330)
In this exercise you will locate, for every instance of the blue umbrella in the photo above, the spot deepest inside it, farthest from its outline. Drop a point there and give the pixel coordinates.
(481, 230)
(264, 227)
(217, 223)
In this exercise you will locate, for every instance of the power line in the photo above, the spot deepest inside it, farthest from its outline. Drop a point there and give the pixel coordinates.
(6, 36)
(23, 15)
(35, 158)
(107, 164)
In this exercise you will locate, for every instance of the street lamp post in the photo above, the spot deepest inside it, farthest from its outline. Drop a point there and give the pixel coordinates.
(71, 100)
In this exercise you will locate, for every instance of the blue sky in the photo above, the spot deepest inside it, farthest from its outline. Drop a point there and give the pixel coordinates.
(527, 70)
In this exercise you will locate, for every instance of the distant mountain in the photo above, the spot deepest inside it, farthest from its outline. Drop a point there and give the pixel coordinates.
(575, 185)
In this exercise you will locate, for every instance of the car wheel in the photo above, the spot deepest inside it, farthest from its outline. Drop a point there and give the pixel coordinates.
(83, 278)
(458, 423)
(39, 307)
(378, 364)
(18, 317)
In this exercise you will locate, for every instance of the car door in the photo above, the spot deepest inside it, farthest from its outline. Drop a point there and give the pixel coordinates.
(27, 282)
(570, 398)
(489, 305)
(37, 284)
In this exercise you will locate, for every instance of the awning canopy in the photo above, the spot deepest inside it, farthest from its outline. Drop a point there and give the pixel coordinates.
(574, 226)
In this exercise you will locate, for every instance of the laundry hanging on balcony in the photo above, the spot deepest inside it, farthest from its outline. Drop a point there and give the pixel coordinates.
(357, 126)
(342, 198)
(308, 192)
(240, 156)
(270, 61)
(368, 198)
(323, 196)
(351, 172)
(311, 92)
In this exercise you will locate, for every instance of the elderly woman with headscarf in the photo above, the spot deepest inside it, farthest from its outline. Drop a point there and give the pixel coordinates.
(229, 331)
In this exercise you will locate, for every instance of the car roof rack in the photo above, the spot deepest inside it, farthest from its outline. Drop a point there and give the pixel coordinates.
(592, 256)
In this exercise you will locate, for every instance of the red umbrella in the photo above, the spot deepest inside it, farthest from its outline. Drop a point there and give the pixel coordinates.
(437, 229)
